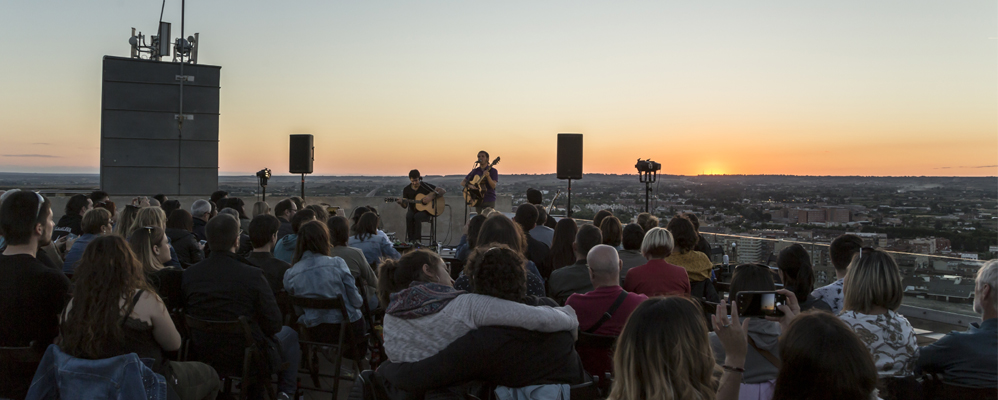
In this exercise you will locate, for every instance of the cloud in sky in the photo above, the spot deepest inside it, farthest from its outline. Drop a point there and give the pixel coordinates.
(974, 167)
(32, 155)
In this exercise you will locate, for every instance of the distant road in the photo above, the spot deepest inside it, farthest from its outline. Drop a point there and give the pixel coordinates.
(375, 191)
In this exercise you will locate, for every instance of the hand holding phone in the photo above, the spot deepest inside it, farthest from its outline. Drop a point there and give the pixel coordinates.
(760, 303)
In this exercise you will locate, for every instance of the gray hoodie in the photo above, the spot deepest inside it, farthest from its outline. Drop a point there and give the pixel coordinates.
(758, 369)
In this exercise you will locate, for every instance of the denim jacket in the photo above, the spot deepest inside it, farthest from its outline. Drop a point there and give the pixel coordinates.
(321, 276)
(374, 247)
(76, 252)
(122, 377)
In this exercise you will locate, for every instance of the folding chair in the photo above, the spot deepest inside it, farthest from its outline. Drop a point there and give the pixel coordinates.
(14, 361)
(251, 354)
(310, 346)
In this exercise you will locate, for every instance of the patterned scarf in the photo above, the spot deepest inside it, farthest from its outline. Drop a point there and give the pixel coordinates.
(421, 299)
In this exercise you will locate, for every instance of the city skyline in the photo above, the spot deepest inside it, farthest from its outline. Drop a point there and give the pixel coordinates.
(884, 89)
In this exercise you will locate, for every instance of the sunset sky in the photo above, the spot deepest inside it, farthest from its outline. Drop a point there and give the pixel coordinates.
(763, 87)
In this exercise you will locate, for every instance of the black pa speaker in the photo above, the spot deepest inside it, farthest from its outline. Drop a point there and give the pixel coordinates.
(302, 154)
(569, 156)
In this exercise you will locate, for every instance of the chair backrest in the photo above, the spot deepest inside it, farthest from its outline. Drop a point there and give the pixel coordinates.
(320, 304)
(594, 341)
(20, 355)
(237, 327)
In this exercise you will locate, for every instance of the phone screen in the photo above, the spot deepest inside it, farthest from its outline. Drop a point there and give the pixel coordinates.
(760, 304)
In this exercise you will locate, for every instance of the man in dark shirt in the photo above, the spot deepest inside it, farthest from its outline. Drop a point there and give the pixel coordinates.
(536, 198)
(284, 210)
(31, 294)
(489, 178)
(574, 278)
(224, 287)
(263, 234)
(71, 221)
(414, 219)
(537, 251)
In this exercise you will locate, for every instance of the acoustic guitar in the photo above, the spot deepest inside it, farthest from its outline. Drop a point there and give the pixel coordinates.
(474, 193)
(435, 208)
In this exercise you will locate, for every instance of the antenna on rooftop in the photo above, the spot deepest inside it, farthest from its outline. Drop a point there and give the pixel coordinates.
(184, 50)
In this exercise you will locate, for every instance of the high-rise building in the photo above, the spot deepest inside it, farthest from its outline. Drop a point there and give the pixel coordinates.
(750, 250)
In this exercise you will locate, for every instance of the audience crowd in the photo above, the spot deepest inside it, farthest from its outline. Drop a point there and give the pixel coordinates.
(536, 308)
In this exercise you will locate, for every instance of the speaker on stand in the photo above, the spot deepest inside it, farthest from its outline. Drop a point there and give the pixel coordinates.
(301, 157)
(569, 161)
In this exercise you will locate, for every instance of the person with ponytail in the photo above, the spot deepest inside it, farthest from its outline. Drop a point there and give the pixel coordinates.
(152, 249)
(115, 311)
(798, 277)
(425, 313)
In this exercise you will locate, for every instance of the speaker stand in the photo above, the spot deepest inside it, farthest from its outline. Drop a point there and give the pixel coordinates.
(568, 208)
(302, 188)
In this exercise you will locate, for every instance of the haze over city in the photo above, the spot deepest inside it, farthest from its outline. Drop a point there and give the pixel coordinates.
(843, 88)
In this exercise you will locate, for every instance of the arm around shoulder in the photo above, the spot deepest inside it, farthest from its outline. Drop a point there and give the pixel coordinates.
(491, 311)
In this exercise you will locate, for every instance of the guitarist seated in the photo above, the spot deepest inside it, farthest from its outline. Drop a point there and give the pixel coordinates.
(482, 182)
(413, 217)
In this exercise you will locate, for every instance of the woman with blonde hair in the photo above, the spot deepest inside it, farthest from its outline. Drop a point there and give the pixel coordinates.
(152, 252)
(125, 219)
(153, 217)
(872, 292)
(261, 208)
(657, 277)
(664, 353)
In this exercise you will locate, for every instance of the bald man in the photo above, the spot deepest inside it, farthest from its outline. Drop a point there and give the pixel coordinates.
(607, 298)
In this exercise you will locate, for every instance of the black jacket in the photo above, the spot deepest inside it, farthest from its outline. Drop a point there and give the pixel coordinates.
(186, 246)
(199, 228)
(512, 357)
(537, 252)
(224, 287)
(273, 269)
(284, 229)
(68, 224)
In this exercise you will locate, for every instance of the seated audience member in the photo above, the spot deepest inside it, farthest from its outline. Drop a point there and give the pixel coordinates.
(541, 232)
(31, 293)
(664, 352)
(180, 231)
(263, 234)
(502, 230)
(261, 208)
(299, 202)
(967, 359)
(285, 249)
(798, 276)
(562, 252)
(684, 252)
(218, 195)
(598, 218)
(612, 232)
(114, 311)
(245, 245)
(239, 205)
(366, 239)
(657, 277)
(575, 278)
(71, 221)
(355, 218)
(467, 242)
(535, 197)
(155, 203)
(497, 272)
(321, 214)
(339, 235)
(812, 370)
(125, 220)
(170, 206)
(201, 212)
(222, 279)
(536, 251)
(315, 274)
(152, 250)
(110, 207)
(631, 256)
(873, 293)
(99, 196)
(840, 251)
(607, 299)
(647, 221)
(703, 245)
(154, 217)
(425, 313)
(762, 362)
(96, 222)
(161, 198)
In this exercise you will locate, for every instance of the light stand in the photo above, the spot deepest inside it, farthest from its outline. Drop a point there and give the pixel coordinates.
(263, 176)
(647, 174)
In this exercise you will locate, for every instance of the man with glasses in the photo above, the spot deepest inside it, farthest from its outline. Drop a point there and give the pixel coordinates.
(31, 293)
(284, 210)
(201, 211)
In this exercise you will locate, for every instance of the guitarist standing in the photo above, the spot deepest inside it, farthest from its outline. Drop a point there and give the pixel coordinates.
(488, 178)
(414, 218)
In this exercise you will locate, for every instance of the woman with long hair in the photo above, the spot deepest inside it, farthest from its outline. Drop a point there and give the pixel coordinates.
(684, 253)
(425, 313)
(180, 232)
(260, 208)
(798, 276)
(315, 274)
(873, 291)
(114, 311)
(664, 353)
(562, 253)
(366, 239)
(239, 205)
(339, 236)
(613, 232)
(824, 359)
(502, 230)
(468, 240)
(762, 362)
(125, 219)
(148, 216)
(152, 252)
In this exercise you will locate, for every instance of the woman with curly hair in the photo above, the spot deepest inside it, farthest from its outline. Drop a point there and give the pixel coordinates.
(500, 229)
(114, 311)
